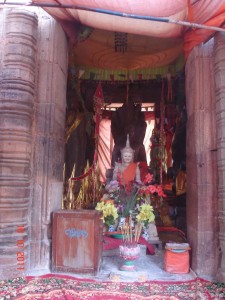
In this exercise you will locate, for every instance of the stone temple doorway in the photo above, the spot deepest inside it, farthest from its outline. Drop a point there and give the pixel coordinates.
(33, 107)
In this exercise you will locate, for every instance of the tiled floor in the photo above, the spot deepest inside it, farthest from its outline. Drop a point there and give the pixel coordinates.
(148, 267)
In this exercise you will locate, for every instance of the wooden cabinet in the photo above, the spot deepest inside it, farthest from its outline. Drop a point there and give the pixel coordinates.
(77, 241)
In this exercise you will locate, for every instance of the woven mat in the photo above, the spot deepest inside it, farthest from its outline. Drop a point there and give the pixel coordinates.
(66, 287)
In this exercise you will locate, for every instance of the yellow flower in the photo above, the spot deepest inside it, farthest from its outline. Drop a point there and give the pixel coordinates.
(100, 206)
(146, 214)
(108, 209)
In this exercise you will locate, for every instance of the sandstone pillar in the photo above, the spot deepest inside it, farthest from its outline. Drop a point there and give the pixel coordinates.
(18, 33)
(202, 228)
(220, 122)
(48, 138)
(33, 76)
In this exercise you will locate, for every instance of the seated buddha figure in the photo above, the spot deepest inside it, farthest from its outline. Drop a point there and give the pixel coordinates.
(127, 170)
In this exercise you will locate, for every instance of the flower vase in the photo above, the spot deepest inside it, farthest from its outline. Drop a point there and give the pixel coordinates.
(111, 228)
(145, 234)
(122, 221)
(133, 215)
(129, 254)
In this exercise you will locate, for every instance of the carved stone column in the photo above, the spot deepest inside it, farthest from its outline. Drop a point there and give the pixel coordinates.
(202, 226)
(18, 34)
(220, 122)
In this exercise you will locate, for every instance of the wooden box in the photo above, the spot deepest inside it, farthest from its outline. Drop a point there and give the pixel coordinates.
(77, 241)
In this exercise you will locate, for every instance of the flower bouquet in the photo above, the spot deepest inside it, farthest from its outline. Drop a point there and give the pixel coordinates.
(148, 191)
(132, 198)
(109, 212)
(146, 214)
(124, 196)
(146, 217)
(113, 189)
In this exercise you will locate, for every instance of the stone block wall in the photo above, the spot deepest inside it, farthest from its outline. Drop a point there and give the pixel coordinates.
(219, 69)
(202, 161)
(48, 137)
(33, 74)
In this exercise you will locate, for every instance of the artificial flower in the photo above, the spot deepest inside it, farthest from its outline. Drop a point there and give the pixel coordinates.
(146, 214)
(109, 212)
(128, 197)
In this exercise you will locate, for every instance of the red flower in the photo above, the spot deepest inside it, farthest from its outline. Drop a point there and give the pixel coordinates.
(151, 189)
(148, 178)
(160, 191)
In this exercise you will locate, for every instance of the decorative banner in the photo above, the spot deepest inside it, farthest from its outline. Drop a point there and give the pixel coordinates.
(98, 93)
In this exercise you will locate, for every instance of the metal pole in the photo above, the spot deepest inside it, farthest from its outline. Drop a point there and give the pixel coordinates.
(116, 13)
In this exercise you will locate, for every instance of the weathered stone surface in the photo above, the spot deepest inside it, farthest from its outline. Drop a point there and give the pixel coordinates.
(202, 223)
(33, 75)
(220, 121)
(16, 112)
(48, 137)
(32, 117)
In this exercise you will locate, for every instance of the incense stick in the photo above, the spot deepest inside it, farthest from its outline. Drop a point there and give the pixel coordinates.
(127, 233)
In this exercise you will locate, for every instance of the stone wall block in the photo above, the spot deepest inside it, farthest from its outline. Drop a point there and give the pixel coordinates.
(48, 138)
(207, 242)
(50, 127)
(192, 216)
(59, 119)
(53, 60)
(191, 133)
(56, 51)
(51, 76)
(201, 160)
(219, 67)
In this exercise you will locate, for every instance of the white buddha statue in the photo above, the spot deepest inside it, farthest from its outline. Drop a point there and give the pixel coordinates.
(127, 170)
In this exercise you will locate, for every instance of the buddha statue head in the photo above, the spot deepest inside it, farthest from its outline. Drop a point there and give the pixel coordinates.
(127, 153)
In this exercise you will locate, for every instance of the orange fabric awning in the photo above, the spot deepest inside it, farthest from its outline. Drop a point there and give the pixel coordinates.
(151, 43)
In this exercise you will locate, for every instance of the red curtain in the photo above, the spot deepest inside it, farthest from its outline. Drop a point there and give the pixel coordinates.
(105, 145)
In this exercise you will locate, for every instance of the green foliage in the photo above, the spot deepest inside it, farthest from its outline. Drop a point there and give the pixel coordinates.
(109, 220)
